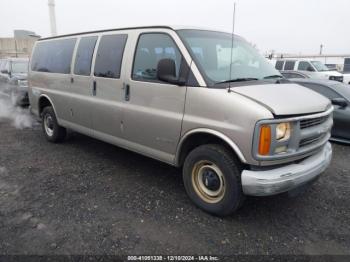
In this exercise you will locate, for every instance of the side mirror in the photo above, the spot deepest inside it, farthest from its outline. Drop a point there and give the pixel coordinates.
(166, 71)
(5, 71)
(341, 102)
(310, 69)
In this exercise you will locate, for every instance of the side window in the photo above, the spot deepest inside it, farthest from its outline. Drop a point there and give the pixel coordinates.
(323, 90)
(289, 65)
(150, 49)
(279, 65)
(84, 55)
(303, 66)
(110, 55)
(54, 56)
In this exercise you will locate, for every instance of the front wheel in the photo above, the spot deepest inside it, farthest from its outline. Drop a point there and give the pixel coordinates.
(212, 178)
(53, 132)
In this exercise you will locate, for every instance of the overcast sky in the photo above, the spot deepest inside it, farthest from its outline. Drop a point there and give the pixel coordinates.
(288, 26)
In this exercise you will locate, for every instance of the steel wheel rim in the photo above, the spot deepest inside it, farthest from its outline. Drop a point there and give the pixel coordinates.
(48, 124)
(200, 182)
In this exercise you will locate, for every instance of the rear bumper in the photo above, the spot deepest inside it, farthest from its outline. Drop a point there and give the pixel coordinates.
(283, 179)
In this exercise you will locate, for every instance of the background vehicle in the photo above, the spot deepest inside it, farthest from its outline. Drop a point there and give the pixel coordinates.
(232, 123)
(314, 69)
(339, 94)
(14, 72)
(347, 78)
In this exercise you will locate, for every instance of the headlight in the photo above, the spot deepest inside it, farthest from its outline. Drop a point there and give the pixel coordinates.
(266, 136)
(283, 131)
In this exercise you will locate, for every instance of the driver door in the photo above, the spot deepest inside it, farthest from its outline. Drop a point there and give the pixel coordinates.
(153, 110)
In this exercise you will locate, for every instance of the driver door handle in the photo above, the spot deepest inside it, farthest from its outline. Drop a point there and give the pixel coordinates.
(94, 88)
(127, 92)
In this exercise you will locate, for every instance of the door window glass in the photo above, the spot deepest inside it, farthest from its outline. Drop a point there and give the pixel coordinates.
(84, 55)
(151, 48)
(110, 55)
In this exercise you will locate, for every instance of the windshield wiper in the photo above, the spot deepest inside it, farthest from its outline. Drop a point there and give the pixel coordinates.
(273, 76)
(245, 79)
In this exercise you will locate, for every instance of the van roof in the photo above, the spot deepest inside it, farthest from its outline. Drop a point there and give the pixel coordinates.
(173, 27)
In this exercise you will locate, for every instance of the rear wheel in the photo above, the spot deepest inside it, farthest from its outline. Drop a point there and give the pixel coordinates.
(212, 178)
(53, 132)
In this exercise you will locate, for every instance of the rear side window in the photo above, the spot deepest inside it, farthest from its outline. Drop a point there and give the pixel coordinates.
(84, 55)
(110, 55)
(303, 66)
(53, 56)
(289, 65)
(150, 49)
(279, 65)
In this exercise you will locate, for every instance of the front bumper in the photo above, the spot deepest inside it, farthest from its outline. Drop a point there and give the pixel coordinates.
(283, 179)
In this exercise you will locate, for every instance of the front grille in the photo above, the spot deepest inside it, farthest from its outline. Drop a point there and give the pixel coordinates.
(312, 122)
(311, 140)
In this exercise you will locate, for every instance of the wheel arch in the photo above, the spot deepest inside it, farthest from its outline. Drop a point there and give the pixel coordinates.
(201, 136)
(43, 102)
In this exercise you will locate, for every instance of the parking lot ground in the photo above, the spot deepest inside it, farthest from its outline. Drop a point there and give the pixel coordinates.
(88, 197)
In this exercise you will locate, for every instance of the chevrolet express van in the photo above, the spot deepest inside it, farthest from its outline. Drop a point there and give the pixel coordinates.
(189, 98)
(312, 68)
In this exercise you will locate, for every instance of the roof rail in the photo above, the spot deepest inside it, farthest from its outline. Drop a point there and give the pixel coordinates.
(104, 30)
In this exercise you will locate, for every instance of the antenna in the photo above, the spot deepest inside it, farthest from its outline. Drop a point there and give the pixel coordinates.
(232, 40)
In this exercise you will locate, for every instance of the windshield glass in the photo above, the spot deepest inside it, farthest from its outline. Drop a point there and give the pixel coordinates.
(19, 67)
(319, 66)
(212, 51)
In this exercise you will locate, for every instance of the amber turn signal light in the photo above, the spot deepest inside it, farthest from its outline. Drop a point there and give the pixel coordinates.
(265, 140)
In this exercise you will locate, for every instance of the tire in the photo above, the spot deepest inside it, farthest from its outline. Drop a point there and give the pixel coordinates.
(52, 131)
(212, 179)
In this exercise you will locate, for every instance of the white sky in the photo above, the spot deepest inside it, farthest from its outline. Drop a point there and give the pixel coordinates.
(288, 26)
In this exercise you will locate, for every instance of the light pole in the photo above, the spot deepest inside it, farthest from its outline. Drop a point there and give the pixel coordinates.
(321, 49)
(52, 14)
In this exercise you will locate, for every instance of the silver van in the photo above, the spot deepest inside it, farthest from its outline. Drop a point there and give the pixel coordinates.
(205, 101)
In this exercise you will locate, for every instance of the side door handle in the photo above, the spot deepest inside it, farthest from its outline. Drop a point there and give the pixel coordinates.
(127, 92)
(94, 88)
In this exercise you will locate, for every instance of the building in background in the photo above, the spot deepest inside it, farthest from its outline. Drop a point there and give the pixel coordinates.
(20, 45)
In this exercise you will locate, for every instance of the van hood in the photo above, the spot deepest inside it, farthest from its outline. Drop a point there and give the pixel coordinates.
(285, 99)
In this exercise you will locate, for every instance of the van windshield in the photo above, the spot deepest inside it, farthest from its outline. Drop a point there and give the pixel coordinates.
(212, 50)
(319, 66)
